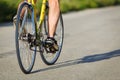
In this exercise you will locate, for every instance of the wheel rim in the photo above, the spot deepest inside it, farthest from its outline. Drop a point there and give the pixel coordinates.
(26, 57)
(50, 58)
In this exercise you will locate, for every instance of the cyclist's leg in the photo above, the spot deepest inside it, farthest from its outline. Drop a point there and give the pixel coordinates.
(54, 12)
(23, 11)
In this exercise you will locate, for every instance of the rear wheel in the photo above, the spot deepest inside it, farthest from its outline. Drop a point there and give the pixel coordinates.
(51, 58)
(25, 37)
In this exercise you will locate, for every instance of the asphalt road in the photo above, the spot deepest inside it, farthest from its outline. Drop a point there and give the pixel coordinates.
(91, 49)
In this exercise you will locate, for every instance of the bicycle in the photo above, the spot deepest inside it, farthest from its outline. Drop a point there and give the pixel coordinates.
(30, 35)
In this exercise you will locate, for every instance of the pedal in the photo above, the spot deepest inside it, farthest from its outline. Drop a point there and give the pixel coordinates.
(51, 48)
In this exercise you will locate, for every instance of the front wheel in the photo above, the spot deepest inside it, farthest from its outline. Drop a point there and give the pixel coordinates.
(24, 37)
(51, 58)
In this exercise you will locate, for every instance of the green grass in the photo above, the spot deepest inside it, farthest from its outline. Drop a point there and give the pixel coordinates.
(9, 7)
(75, 5)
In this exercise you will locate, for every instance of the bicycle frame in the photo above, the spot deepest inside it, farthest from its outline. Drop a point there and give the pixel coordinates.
(42, 13)
(30, 37)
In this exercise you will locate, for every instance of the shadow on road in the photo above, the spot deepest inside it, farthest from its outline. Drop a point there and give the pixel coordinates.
(7, 24)
(86, 59)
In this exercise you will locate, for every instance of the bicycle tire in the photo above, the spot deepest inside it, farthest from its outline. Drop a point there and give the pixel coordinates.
(59, 40)
(23, 51)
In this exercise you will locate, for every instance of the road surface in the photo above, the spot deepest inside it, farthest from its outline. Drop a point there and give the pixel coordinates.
(91, 49)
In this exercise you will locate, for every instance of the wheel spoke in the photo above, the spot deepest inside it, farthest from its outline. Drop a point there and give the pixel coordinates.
(51, 58)
(26, 56)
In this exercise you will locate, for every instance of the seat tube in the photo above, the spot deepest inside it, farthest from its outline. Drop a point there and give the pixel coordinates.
(29, 1)
(42, 13)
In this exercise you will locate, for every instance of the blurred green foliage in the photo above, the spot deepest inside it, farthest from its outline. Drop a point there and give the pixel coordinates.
(8, 8)
(74, 5)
